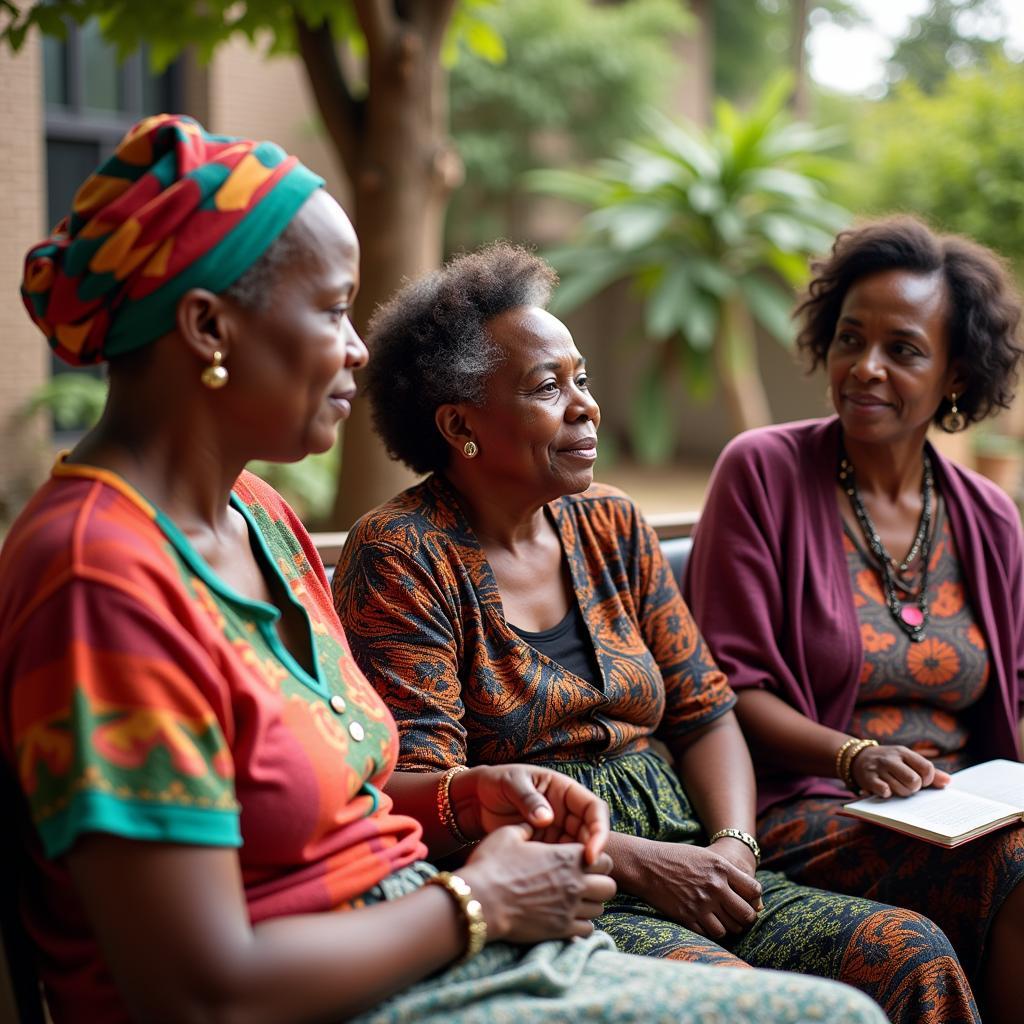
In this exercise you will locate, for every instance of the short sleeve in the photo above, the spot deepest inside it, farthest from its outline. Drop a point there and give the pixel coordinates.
(696, 691)
(112, 723)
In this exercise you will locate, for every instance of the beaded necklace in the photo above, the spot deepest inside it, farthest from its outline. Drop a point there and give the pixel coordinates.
(911, 618)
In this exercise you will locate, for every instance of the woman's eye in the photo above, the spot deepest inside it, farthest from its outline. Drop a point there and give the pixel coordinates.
(338, 313)
(902, 351)
(549, 387)
(583, 383)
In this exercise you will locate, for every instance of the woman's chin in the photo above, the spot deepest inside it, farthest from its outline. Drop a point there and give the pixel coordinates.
(578, 482)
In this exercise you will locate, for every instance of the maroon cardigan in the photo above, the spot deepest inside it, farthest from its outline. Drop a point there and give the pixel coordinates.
(768, 584)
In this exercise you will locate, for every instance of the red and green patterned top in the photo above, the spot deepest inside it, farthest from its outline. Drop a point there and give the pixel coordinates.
(919, 694)
(423, 613)
(143, 697)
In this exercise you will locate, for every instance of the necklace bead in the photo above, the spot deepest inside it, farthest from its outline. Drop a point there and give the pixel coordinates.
(911, 618)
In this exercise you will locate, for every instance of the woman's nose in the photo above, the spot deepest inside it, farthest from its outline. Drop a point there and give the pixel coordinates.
(869, 364)
(356, 353)
(584, 407)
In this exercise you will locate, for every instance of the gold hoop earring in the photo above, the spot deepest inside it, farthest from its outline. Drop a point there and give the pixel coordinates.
(954, 420)
(469, 449)
(215, 376)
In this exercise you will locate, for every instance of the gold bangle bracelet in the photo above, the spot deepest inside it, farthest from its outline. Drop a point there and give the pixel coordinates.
(444, 805)
(744, 837)
(848, 755)
(469, 908)
(858, 748)
(841, 754)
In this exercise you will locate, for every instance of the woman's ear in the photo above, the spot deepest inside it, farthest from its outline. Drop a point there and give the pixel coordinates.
(453, 420)
(956, 378)
(205, 323)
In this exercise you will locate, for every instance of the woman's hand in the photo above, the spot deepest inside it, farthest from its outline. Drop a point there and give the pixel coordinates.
(699, 887)
(895, 771)
(558, 809)
(533, 891)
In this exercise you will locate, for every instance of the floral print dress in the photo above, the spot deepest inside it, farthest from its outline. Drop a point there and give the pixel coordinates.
(923, 696)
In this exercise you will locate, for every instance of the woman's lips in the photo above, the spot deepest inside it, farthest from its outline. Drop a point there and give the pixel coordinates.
(342, 401)
(865, 401)
(585, 449)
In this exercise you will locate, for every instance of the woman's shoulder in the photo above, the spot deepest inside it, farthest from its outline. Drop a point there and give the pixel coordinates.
(425, 513)
(781, 448)
(980, 498)
(81, 530)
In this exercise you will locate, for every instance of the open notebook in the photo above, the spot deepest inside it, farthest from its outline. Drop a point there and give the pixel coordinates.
(978, 800)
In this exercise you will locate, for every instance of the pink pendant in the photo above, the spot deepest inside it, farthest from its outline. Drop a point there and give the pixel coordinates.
(911, 615)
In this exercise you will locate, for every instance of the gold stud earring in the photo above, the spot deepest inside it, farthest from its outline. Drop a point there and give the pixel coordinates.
(469, 449)
(954, 420)
(215, 376)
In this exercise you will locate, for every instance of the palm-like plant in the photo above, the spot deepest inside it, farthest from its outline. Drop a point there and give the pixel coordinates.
(714, 228)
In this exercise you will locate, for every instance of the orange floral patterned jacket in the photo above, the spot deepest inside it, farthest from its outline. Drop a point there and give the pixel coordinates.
(424, 618)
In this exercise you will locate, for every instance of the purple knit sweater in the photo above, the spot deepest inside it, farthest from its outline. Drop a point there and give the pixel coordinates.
(767, 582)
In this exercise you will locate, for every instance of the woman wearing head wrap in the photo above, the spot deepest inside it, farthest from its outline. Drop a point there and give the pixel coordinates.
(200, 762)
(508, 609)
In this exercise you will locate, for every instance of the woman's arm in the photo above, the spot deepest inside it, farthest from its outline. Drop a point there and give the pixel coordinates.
(487, 797)
(173, 926)
(782, 737)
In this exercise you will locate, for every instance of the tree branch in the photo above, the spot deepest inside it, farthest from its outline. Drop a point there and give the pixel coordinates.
(342, 114)
(378, 22)
(432, 20)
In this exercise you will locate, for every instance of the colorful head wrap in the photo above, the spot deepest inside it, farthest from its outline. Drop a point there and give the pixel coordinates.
(174, 208)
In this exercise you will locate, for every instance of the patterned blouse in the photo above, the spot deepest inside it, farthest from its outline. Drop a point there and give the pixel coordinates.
(918, 694)
(144, 698)
(423, 614)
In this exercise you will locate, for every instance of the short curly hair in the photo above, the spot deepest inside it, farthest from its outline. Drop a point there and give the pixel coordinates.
(985, 307)
(429, 345)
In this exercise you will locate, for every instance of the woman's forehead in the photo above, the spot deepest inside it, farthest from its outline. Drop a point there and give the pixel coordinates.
(529, 333)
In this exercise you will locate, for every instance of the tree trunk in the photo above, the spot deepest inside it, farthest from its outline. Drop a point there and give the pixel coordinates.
(395, 149)
(695, 90)
(801, 99)
(739, 375)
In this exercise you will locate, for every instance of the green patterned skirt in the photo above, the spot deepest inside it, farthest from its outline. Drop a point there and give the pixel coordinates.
(899, 958)
(587, 980)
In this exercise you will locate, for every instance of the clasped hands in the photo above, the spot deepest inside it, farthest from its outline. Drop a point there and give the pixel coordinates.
(541, 870)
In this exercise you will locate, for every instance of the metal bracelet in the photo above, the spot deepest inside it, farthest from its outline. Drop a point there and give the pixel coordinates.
(744, 837)
(444, 805)
(470, 909)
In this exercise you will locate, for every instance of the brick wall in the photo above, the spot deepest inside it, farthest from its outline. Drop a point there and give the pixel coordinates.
(268, 98)
(23, 353)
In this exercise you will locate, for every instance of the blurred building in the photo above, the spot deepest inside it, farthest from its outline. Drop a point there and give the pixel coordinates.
(64, 104)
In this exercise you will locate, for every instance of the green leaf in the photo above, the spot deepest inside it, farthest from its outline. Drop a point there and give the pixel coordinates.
(698, 371)
(667, 306)
(698, 321)
(651, 422)
(600, 270)
(631, 226)
(74, 399)
(771, 306)
(484, 40)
